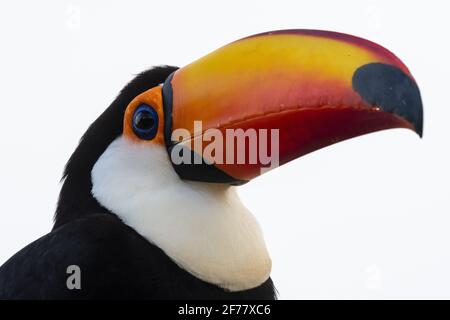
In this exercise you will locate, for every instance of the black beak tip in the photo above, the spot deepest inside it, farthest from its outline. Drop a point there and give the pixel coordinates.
(390, 89)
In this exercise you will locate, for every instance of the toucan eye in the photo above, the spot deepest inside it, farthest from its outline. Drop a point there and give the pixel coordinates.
(145, 122)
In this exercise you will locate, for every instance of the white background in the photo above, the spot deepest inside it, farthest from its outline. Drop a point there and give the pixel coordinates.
(367, 218)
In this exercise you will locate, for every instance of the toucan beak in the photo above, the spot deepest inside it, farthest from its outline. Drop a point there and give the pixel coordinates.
(303, 89)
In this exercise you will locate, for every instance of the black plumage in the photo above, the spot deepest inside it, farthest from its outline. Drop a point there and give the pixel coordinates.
(115, 261)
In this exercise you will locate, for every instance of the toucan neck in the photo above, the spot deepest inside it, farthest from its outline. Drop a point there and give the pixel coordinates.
(203, 227)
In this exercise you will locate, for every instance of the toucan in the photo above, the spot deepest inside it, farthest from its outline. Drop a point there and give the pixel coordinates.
(144, 212)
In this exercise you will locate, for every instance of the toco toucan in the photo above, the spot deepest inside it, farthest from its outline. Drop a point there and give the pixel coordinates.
(145, 212)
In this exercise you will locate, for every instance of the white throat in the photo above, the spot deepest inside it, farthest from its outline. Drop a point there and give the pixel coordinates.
(203, 227)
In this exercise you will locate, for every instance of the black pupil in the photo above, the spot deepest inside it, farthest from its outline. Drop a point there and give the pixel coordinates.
(144, 120)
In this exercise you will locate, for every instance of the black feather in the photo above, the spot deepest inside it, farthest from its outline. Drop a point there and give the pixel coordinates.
(115, 262)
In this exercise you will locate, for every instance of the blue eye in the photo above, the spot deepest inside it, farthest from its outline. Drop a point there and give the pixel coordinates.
(145, 122)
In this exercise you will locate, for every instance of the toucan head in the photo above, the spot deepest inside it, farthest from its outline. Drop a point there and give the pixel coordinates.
(287, 92)
(164, 155)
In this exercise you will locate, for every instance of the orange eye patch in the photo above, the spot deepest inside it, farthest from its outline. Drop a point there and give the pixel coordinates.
(138, 119)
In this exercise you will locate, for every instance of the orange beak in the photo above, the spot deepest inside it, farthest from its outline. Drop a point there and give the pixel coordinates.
(303, 89)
